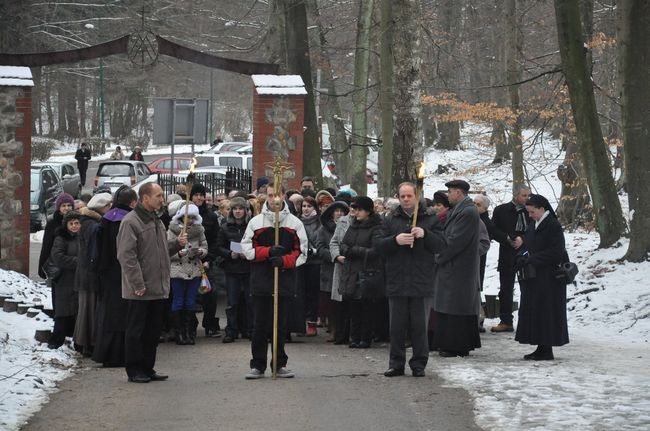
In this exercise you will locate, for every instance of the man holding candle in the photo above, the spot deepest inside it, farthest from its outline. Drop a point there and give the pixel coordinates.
(409, 255)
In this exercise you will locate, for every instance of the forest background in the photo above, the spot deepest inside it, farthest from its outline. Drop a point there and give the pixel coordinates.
(399, 76)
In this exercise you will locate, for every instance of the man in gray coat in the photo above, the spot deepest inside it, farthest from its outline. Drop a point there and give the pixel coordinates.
(143, 251)
(456, 299)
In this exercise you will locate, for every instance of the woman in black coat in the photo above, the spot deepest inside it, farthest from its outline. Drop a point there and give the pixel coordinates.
(63, 203)
(542, 313)
(110, 325)
(359, 255)
(64, 297)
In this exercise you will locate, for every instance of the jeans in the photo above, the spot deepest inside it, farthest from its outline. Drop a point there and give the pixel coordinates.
(236, 285)
(506, 289)
(263, 329)
(184, 293)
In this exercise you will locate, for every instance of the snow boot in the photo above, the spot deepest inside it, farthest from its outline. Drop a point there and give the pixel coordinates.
(190, 329)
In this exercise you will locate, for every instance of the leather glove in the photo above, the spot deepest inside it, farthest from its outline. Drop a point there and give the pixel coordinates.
(520, 262)
(276, 262)
(277, 250)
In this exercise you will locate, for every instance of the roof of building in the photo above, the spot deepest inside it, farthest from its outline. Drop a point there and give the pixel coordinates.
(279, 84)
(16, 76)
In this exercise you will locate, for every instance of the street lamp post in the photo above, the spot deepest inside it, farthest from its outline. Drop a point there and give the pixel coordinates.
(101, 98)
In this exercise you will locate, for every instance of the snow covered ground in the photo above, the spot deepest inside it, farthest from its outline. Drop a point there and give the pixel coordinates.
(600, 380)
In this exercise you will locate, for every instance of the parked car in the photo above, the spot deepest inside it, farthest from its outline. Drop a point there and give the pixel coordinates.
(231, 158)
(114, 173)
(45, 186)
(163, 165)
(67, 174)
(228, 146)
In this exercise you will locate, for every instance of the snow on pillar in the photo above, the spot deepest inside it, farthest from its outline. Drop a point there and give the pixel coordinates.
(278, 119)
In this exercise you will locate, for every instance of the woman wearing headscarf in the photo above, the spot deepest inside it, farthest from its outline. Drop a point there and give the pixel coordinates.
(111, 307)
(63, 203)
(542, 313)
(311, 269)
(64, 297)
(137, 154)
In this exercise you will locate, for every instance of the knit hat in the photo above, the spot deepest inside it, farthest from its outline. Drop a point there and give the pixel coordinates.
(192, 213)
(324, 197)
(238, 202)
(70, 215)
(63, 198)
(198, 189)
(261, 181)
(172, 208)
(363, 203)
(99, 201)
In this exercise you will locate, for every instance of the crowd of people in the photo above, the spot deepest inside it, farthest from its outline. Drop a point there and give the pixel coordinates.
(129, 271)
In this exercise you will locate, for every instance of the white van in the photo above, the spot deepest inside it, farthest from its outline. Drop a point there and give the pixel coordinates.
(231, 158)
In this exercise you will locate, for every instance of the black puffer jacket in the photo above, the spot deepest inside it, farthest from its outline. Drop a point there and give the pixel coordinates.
(410, 271)
(211, 226)
(357, 247)
(231, 231)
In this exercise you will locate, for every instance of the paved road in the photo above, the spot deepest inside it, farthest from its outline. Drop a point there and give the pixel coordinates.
(335, 388)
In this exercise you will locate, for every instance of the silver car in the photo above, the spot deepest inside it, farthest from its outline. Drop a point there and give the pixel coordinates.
(114, 173)
(68, 174)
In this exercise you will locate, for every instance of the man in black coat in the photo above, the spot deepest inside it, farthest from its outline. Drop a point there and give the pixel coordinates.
(83, 156)
(409, 253)
(510, 221)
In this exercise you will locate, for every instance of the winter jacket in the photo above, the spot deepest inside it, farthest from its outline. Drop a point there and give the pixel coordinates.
(410, 271)
(257, 242)
(341, 227)
(483, 238)
(542, 310)
(504, 219)
(82, 156)
(311, 227)
(357, 247)
(144, 253)
(64, 256)
(187, 267)
(231, 231)
(323, 237)
(86, 277)
(457, 270)
(48, 240)
(211, 225)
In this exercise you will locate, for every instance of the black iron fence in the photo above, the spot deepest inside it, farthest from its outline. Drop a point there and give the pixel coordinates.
(233, 179)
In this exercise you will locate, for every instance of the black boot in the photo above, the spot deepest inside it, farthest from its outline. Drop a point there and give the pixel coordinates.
(177, 324)
(190, 329)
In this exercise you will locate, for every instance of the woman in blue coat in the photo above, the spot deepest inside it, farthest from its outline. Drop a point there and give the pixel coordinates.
(542, 314)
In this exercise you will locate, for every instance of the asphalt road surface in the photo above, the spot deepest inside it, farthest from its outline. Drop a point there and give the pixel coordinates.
(335, 388)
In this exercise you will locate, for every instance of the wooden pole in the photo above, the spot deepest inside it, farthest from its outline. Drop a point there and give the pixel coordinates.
(419, 185)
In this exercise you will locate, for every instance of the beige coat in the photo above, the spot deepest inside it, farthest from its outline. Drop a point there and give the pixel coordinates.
(186, 267)
(143, 252)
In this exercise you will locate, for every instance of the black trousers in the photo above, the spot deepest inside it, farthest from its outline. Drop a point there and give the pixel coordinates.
(63, 327)
(409, 314)
(361, 320)
(506, 289)
(143, 325)
(263, 330)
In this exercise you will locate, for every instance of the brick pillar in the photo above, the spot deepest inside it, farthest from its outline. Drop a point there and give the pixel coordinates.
(278, 119)
(15, 165)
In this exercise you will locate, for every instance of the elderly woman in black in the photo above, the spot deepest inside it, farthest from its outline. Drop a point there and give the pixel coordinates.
(358, 254)
(542, 314)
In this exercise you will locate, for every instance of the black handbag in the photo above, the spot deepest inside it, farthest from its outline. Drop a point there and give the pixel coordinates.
(52, 271)
(566, 272)
(370, 281)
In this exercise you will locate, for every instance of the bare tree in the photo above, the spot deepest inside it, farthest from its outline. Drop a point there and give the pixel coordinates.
(386, 97)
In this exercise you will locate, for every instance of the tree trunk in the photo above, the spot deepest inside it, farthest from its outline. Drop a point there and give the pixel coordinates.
(636, 122)
(513, 74)
(408, 128)
(331, 112)
(37, 124)
(94, 122)
(48, 105)
(275, 42)
(71, 107)
(499, 139)
(386, 100)
(82, 108)
(595, 156)
(574, 208)
(359, 152)
(298, 62)
(62, 129)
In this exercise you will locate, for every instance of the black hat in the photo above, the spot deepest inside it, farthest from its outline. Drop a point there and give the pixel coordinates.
(198, 189)
(363, 203)
(458, 184)
(440, 197)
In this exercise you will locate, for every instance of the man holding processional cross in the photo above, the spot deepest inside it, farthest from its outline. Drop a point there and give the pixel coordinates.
(276, 243)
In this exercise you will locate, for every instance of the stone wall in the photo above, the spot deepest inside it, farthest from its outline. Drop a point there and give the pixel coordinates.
(15, 162)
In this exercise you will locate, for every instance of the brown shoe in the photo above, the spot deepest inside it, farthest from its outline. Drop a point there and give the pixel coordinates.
(503, 327)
